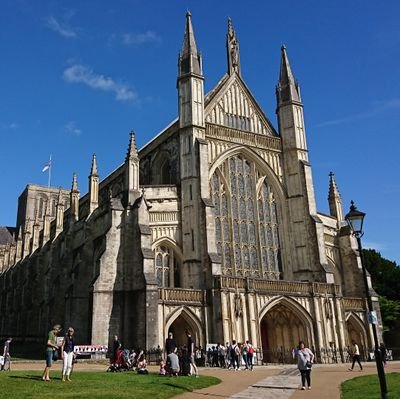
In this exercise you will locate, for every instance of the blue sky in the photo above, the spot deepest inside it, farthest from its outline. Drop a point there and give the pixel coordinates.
(77, 76)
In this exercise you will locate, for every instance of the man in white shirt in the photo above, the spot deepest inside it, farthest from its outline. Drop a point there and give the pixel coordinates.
(356, 356)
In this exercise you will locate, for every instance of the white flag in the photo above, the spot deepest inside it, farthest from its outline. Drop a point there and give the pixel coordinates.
(47, 166)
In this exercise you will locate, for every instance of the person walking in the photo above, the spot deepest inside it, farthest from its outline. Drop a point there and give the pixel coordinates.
(51, 347)
(234, 355)
(250, 354)
(6, 352)
(190, 352)
(305, 359)
(356, 356)
(67, 354)
(382, 348)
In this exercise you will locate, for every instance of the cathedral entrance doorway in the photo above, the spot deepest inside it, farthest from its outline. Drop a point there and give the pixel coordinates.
(356, 333)
(281, 330)
(178, 327)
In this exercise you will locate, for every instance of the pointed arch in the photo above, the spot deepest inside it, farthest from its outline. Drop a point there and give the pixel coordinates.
(169, 242)
(161, 163)
(250, 218)
(260, 163)
(291, 304)
(356, 330)
(283, 322)
(167, 262)
(192, 321)
(337, 272)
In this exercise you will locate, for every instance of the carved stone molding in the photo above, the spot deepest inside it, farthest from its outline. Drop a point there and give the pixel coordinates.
(242, 137)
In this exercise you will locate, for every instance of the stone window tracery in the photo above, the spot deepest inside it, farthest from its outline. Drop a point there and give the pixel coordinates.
(247, 230)
(166, 267)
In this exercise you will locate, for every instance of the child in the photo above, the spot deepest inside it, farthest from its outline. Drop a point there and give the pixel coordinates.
(162, 368)
(142, 365)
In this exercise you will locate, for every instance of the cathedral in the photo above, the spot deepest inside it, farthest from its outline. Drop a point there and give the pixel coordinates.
(212, 226)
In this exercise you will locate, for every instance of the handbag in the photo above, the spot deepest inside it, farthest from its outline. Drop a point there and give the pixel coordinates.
(55, 355)
(308, 364)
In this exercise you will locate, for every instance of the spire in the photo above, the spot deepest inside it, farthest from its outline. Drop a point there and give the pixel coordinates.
(189, 58)
(287, 89)
(232, 49)
(35, 233)
(93, 170)
(46, 222)
(74, 199)
(334, 199)
(132, 170)
(132, 149)
(18, 249)
(60, 198)
(47, 210)
(93, 186)
(60, 213)
(333, 189)
(74, 187)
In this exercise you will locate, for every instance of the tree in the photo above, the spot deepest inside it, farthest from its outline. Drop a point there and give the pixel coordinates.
(385, 276)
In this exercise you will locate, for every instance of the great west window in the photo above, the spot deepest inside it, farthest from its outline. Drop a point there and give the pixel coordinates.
(246, 221)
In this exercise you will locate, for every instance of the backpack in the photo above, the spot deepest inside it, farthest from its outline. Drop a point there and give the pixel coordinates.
(251, 349)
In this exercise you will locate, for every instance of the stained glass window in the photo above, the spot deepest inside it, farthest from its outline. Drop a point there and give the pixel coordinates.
(253, 248)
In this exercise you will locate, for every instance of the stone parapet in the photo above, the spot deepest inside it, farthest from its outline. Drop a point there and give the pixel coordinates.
(242, 137)
(277, 286)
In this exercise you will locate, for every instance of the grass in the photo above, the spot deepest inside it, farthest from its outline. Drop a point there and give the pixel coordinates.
(368, 387)
(99, 385)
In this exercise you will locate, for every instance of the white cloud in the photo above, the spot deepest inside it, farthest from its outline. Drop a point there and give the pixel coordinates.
(140, 38)
(377, 108)
(82, 74)
(392, 103)
(10, 126)
(63, 30)
(71, 128)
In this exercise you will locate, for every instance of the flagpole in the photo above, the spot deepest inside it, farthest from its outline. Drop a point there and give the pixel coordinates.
(50, 165)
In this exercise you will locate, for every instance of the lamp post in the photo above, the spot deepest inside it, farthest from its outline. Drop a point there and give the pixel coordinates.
(355, 220)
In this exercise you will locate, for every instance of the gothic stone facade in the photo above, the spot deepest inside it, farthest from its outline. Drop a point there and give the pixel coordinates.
(211, 226)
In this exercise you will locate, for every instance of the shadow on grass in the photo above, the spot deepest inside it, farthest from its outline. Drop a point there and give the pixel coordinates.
(27, 377)
(179, 387)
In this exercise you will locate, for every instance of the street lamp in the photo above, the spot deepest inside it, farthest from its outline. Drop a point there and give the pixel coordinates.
(355, 220)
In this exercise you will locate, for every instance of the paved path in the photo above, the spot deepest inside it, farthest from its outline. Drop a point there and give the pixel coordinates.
(266, 382)
(282, 382)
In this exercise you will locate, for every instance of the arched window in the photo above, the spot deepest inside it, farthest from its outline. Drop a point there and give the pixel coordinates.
(165, 172)
(246, 222)
(166, 267)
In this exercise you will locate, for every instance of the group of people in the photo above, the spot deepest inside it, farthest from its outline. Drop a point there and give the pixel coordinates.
(180, 360)
(231, 356)
(125, 359)
(66, 350)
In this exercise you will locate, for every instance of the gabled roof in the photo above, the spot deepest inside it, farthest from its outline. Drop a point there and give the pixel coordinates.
(6, 235)
(232, 102)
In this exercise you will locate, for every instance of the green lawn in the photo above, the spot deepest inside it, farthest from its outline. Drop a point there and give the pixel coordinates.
(98, 385)
(368, 387)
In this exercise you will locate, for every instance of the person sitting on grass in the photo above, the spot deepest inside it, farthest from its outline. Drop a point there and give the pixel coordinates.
(162, 368)
(173, 363)
(142, 365)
